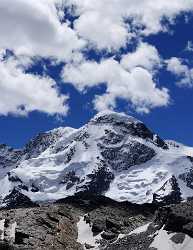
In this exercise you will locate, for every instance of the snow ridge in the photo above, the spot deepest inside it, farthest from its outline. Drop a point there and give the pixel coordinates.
(114, 155)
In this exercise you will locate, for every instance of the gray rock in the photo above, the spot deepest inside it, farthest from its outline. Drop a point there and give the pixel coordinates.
(111, 223)
(178, 238)
(108, 235)
(88, 246)
(40, 228)
(98, 225)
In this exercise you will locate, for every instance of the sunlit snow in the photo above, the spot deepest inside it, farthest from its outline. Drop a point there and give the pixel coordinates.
(85, 234)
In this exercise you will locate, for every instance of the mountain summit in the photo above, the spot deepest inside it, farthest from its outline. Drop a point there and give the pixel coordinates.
(114, 155)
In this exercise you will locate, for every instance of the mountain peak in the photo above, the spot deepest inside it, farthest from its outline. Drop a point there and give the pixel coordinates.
(111, 116)
(114, 154)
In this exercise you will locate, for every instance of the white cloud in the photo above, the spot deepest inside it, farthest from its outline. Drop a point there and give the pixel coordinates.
(189, 46)
(105, 102)
(21, 93)
(182, 71)
(107, 34)
(145, 56)
(104, 24)
(135, 85)
(33, 28)
(175, 66)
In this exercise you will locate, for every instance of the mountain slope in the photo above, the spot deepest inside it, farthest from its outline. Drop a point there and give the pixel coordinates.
(114, 155)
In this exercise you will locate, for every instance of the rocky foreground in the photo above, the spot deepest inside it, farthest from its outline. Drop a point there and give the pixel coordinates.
(96, 222)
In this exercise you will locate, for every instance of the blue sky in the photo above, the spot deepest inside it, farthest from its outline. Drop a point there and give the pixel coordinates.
(64, 68)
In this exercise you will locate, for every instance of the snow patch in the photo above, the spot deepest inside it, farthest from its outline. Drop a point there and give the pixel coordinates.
(162, 241)
(85, 234)
(140, 229)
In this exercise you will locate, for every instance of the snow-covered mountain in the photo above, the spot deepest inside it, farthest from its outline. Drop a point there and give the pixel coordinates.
(114, 155)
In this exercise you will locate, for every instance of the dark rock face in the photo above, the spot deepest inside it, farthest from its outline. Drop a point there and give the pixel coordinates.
(40, 143)
(70, 179)
(111, 223)
(12, 157)
(13, 178)
(142, 131)
(160, 143)
(9, 156)
(34, 189)
(111, 138)
(108, 235)
(190, 158)
(176, 218)
(122, 158)
(187, 178)
(6, 246)
(88, 201)
(127, 126)
(20, 237)
(178, 238)
(69, 154)
(120, 155)
(82, 136)
(99, 180)
(98, 226)
(17, 199)
(173, 197)
(88, 246)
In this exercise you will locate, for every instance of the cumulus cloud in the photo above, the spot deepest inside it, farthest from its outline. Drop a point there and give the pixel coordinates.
(129, 80)
(180, 70)
(21, 93)
(110, 24)
(42, 29)
(33, 28)
(107, 34)
(145, 56)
